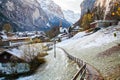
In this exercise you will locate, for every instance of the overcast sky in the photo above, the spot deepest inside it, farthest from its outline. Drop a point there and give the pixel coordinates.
(73, 5)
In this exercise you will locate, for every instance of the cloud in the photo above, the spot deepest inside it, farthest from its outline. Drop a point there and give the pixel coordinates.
(73, 5)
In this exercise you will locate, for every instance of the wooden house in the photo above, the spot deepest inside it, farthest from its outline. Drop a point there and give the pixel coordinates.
(4, 43)
(102, 23)
(8, 56)
(20, 39)
(3, 39)
(11, 62)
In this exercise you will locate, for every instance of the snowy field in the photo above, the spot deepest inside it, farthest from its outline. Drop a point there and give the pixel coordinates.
(86, 48)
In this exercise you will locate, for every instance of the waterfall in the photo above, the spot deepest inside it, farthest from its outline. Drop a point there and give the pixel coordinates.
(107, 9)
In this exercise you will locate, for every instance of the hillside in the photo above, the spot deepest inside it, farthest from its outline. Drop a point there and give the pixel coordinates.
(99, 49)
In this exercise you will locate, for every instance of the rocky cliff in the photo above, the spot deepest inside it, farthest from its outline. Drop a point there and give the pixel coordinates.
(104, 5)
(86, 5)
(30, 14)
(98, 10)
(110, 8)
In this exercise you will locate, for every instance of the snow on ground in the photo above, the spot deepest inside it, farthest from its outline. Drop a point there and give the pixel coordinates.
(56, 68)
(88, 47)
(25, 78)
(83, 47)
(96, 39)
(16, 52)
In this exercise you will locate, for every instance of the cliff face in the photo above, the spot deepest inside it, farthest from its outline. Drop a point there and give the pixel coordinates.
(106, 5)
(30, 14)
(98, 10)
(86, 5)
(51, 8)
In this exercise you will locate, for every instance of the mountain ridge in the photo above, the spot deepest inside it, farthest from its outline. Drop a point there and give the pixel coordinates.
(30, 15)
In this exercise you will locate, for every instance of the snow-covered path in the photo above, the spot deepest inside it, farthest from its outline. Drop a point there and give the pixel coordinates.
(59, 68)
(92, 72)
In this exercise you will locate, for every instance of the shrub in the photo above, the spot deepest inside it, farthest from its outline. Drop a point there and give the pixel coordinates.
(7, 27)
(53, 32)
(86, 20)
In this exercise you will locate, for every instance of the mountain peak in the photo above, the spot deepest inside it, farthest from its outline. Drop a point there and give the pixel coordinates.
(30, 14)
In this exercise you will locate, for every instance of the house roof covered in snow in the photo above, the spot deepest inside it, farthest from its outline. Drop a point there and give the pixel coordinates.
(14, 52)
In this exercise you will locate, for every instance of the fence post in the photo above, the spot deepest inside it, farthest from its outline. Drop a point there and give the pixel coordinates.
(54, 48)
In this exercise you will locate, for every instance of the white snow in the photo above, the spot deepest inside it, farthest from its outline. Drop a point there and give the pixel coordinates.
(73, 5)
(36, 14)
(99, 38)
(47, 6)
(4, 37)
(70, 16)
(59, 63)
(10, 6)
(25, 78)
(62, 30)
(16, 52)
(78, 41)
(48, 24)
(0, 2)
(79, 35)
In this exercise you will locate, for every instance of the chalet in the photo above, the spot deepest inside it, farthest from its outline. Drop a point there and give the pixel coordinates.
(18, 39)
(39, 38)
(63, 30)
(103, 23)
(73, 30)
(3, 39)
(9, 55)
(3, 36)
(11, 61)
(4, 43)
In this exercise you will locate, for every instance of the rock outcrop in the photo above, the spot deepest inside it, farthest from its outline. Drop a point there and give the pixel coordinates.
(98, 10)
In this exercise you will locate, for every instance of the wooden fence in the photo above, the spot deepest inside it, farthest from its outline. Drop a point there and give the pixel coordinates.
(81, 73)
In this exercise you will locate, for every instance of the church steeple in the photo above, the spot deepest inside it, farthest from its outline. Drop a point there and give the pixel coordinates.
(60, 25)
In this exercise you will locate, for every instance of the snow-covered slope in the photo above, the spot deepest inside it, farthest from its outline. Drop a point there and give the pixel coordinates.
(71, 16)
(104, 36)
(88, 49)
